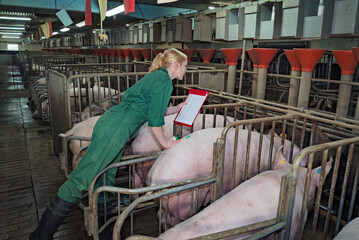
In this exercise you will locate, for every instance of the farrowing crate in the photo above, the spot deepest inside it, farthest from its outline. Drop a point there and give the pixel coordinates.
(297, 124)
(103, 89)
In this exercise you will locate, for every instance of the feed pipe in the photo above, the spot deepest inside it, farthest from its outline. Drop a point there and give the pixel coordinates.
(347, 63)
(307, 58)
(255, 72)
(264, 56)
(127, 53)
(294, 82)
(231, 56)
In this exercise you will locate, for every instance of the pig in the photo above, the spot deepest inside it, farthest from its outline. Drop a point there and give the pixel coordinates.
(350, 231)
(253, 201)
(192, 158)
(41, 80)
(146, 142)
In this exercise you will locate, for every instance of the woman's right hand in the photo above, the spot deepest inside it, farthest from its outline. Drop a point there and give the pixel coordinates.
(171, 142)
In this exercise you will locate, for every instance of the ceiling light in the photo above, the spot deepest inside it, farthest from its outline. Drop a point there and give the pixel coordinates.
(10, 36)
(64, 29)
(80, 24)
(13, 28)
(16, 18)
(127, 25)
(55, 33)
(11, 33)
(210, 7)
(42, 37)
(115, 11)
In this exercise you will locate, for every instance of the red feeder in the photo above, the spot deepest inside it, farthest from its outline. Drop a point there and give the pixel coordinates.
(356, 53)
(136, 53)
(206, 54)
(146, 52)
(119, 52)
(157, 51)
(293, 60)
(231, 55)
(189, 53)
(308, 58)
(264, 56)
(346, 60)
(253, 58)
(112, 52)
(127, 53)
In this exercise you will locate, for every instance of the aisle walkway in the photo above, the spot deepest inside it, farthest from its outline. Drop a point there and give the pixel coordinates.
(29, 175)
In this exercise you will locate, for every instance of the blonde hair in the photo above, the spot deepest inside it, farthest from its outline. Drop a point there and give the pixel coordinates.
(166, 58)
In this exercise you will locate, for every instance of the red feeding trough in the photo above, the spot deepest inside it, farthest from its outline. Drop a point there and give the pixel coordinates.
(253, 58)
(231, 55)
(346, 60)
(157, 51)
(189, 53)
(127, 52)
(206, 54)
(308, 58)
(293, 60)
(136, 53)
(264, 56)
(356, 53)
(112, 52)
(119, 52)
(146, 52)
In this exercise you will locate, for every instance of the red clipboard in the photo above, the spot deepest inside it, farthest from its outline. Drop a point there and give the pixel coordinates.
(188, 113)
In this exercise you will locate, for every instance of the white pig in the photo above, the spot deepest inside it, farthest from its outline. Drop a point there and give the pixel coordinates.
(192, 158)
(253, 201)
(146, 142)
(350, 231)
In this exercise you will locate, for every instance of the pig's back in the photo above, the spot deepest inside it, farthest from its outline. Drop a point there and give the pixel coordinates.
(252, 201)
(191, 158)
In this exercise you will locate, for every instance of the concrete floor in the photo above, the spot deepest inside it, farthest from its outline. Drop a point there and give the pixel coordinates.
(30, 176)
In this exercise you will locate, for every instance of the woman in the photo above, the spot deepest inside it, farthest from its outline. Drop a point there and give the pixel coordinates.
(146, 101)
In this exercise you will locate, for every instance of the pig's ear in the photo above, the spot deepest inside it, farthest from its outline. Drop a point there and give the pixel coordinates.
(270, 132)
(316, 172)
(280, 161)
(170, 105)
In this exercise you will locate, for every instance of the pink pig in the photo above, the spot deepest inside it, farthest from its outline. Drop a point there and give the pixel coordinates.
(192, 158)
(350, 231)
(145, 141)
(253, 201)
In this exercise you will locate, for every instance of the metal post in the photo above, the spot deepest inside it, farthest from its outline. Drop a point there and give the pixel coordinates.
(262, 81)
(344, 95)
(304, 89)
(255, 82)
(293, 89)
(357, 110)
(231, 80)
(127, 67)
(177, 129)
(242, 67)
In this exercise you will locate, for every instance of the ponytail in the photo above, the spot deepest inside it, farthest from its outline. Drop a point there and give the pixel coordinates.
(166, 58)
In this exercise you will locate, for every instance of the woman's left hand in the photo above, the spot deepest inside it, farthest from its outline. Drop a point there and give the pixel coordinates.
(179, 106)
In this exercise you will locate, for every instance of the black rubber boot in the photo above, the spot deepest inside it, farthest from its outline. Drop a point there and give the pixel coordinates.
(52, 218)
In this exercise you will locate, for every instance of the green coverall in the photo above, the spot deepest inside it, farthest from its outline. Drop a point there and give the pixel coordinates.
(147, 100)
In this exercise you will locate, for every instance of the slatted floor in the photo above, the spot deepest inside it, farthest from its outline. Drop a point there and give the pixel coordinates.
(29, 175)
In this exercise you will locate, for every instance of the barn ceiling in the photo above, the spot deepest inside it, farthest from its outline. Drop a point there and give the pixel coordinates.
(40, 11)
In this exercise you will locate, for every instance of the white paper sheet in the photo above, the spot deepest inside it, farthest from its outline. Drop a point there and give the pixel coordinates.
(189, 111)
